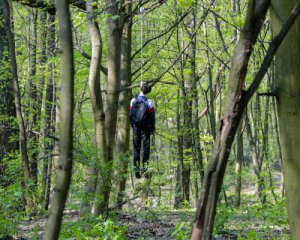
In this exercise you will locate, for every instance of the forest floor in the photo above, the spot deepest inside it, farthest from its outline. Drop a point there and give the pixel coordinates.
(250, 221)
(166, 224)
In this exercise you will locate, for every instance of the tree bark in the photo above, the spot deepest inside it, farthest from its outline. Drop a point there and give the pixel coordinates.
(97, 103)
(49, 114)
(7, 106)
(287, 86)
(203, 224)
(64, 171)
(33, 93)
(124, 107)
(178, 184)
(17, 98)
(211, 108)
(114, 23)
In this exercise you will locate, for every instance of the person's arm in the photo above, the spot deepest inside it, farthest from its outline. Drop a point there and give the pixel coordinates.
(131, 104)
(151, 112)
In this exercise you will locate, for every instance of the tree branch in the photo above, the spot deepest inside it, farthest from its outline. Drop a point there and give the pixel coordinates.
(50, 7)
(162, 34)
(274, 45)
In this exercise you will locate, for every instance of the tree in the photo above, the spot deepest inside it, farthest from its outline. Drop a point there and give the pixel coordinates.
(235, 104)
(18, 105)
(49, 106)
(7, 106)
(124, 105)
(287, 92)
(64, 171)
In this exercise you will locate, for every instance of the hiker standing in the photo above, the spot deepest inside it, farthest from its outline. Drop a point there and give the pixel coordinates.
(142, 119)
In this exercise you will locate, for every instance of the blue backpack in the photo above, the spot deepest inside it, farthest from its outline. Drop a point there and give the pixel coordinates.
(138, 113)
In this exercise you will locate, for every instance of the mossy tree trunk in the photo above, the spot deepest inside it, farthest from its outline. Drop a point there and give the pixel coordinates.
(287, 84)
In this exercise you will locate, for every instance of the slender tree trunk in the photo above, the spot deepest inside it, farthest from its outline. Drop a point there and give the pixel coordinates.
(188, 107)
(124, 105)
(49, 115)
(96, 99)
(287, 84)
(196, 131)
(33, 93)
(238, 165)
(257, 165)
(178, 184)
(211, 108)
(275, 122)
(64, 171)
(114, 23)
(17, 97)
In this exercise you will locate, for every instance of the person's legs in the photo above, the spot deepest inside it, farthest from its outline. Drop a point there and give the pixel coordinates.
(136, 150)
(146, 147)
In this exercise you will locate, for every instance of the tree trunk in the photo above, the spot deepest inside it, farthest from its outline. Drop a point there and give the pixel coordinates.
(287, 85)
(64, 171)
(238, 165)
(49, 115)
(112, 98)
(33, 93)
(178, 184)
(97, 103)
(234, 108)
(124, 105)
(256, 163)
(275, 122)
(17, 97)
(7, 106)
(211, 108)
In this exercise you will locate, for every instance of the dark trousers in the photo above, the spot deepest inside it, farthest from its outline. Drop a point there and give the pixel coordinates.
(139, 136)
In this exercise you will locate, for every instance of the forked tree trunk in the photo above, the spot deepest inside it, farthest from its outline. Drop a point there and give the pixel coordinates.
(235, 104)
(64, 171)
(287, 74)
(237, 101)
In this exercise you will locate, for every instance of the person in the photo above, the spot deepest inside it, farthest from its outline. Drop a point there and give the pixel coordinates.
(142, 119)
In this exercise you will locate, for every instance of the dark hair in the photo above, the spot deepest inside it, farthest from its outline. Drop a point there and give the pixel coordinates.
(145, 88)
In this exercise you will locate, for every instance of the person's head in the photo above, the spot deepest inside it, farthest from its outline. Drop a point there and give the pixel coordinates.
(145, 88)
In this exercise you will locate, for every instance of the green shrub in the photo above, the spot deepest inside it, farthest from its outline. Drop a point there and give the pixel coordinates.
(93, 228)
(182, 230)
